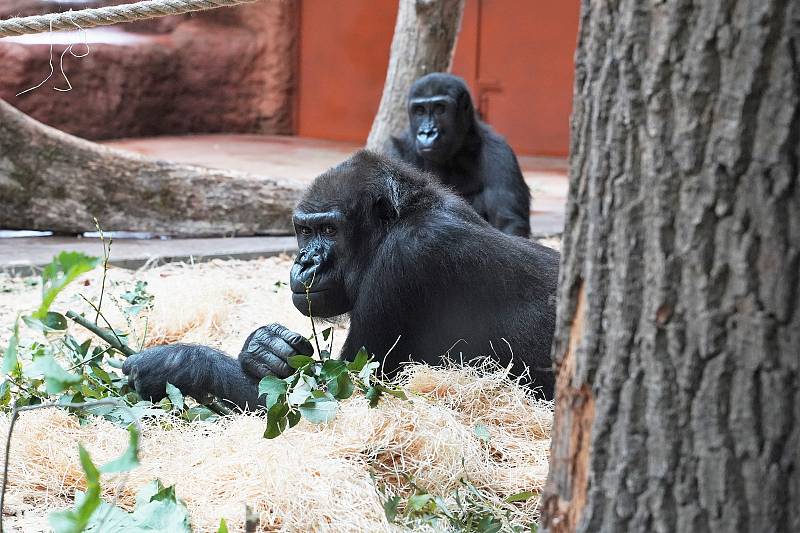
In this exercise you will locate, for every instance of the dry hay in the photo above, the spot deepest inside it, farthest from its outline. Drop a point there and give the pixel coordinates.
(216, 303)
(312, 478)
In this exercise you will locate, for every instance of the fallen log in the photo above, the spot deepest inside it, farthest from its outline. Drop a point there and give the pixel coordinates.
(50, 180)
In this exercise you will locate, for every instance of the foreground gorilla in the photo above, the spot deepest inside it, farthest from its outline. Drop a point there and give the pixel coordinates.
(414, 266)
(446, 138)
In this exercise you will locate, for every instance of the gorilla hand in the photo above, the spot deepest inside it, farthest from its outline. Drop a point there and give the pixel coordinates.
(267, 350)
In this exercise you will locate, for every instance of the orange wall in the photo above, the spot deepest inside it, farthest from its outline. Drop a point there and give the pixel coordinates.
(516, 56)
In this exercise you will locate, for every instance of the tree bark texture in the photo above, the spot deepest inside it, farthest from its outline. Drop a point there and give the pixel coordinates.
(678, 333)
(424, 40)
(52, 181)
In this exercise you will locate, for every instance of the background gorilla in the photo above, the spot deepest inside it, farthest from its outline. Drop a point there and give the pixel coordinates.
(414, 266)
(445, 137)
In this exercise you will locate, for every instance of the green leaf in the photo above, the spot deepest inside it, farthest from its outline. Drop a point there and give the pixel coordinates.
(417, 502)
(52, 321)
(331, 368)
(300, 393)
(175, 396)
(326, 333)
(342, 387)
(199, 413)
(56, 379)
(481, 431)
(10, 358)
(129, 458)
(223, 526)
(397, 393)
(162, 511)
(276, 418)
(299, 361)
(293, 417)
(273, 387)
(76, 520)
(100, 374)
(361, 359)
(390, 508)
(319, 411)
(373, 394)
(5, 393)
(61, 271)
(368, 371)
(520, 497)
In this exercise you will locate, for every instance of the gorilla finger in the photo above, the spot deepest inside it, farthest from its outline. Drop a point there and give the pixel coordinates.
(300, 344)
(265, 363)
(255, 366)
(277, 366)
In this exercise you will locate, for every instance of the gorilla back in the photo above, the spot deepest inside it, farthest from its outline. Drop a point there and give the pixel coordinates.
(419, 272)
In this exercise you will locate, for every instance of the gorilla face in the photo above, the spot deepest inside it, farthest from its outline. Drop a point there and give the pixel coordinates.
(317, 285)
(440, 116)
(436, 127)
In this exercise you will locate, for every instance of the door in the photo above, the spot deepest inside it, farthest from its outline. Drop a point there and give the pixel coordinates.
(516, 56)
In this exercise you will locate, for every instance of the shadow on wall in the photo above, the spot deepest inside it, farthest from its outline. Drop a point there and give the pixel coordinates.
(225, 70)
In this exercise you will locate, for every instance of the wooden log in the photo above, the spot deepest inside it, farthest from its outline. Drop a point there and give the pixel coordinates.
(50, 180)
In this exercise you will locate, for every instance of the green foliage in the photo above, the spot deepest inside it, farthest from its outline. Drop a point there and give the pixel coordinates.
(157, 507)
(86, 504)
(175, 396)
(139, 298)
(315, 389)
(467, 510)
(129, 458)
(62, 369)
(64, 268)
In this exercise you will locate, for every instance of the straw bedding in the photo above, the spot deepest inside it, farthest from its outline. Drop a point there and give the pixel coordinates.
(312, 478)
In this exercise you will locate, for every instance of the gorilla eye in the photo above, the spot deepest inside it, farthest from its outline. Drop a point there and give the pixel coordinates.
(305, 230)
(329, 230)
(439, 109)
(418, 110)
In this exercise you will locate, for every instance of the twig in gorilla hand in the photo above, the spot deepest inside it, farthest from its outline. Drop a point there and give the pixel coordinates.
(406, 258)
(446, 138)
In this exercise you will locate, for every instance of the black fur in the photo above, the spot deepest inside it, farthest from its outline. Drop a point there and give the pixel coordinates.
(419, 271)
(465, 154)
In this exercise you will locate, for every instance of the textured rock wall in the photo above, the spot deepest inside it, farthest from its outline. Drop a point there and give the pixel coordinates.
(227, 70)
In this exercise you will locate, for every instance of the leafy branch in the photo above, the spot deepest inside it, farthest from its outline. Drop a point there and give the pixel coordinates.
(315, 389)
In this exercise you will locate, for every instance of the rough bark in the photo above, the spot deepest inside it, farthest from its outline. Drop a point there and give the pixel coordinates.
(424, 40)
(52, 181)
(678, 334)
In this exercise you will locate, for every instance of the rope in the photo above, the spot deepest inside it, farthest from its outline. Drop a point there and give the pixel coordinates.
(104, 16)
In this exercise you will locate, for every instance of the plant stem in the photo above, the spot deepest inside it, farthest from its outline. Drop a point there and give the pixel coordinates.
(110, 338)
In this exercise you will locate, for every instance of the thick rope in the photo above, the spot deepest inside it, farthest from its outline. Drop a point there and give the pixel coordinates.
(104, 16)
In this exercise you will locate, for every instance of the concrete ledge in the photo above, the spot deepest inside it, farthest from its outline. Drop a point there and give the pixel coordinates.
(27, 256)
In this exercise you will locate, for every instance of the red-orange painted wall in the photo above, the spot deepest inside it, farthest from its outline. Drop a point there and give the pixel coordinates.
(516, 56)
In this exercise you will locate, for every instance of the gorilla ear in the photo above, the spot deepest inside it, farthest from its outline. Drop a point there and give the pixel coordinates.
(385, 209)
(387, 206)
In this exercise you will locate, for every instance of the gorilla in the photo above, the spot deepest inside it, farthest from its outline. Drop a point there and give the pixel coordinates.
(446, 138)
(419, 272)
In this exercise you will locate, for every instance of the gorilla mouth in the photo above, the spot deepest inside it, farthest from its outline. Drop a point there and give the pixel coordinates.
(321, 303)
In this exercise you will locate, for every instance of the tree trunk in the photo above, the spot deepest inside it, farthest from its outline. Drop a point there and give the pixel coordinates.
(424, 39)
(52, 181)
(678, 333)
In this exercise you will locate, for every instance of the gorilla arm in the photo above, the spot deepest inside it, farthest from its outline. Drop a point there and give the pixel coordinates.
(199, 371)
(506, 198)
